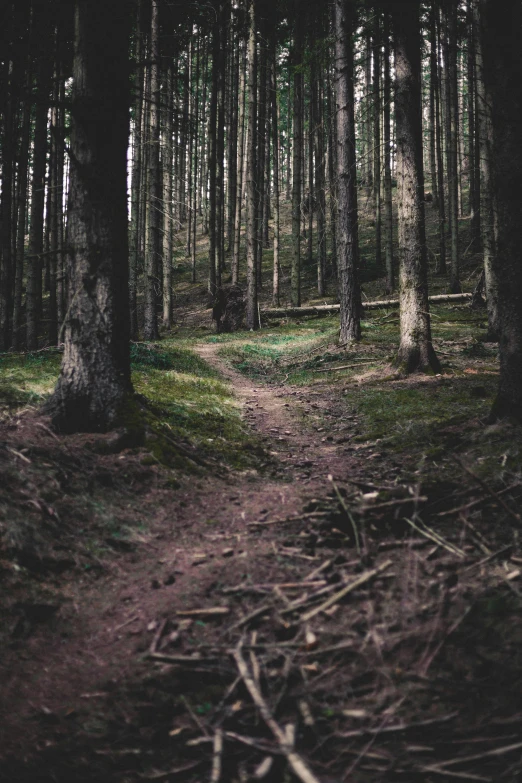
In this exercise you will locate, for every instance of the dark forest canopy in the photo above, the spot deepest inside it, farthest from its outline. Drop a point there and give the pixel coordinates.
(128, 134)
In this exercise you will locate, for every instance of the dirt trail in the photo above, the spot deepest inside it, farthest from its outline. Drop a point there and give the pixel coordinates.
(198, 535)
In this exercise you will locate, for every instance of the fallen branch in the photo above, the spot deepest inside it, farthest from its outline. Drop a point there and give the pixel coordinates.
(217, 758)
(298, 765)
(297, 312)
(361, 580)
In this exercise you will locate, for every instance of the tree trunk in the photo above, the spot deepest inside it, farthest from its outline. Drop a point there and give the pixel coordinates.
(450, 52)
(388, 201)
(441, 258)
(214, 281)
(347, 239)
(415, 351)
(474, 181)
(34, 266)
(433, 107)
(252, 318)
(167, 199)
(320, 187)
(297, 160)
(275, 154)
(22, 209)
(376, 36)
(94, 383)
(240, 158)
(154, 244)
(485, 126)
(136, 200)
(501, 31)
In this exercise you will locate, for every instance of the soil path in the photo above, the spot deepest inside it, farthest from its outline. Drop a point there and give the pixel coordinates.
(200, 535)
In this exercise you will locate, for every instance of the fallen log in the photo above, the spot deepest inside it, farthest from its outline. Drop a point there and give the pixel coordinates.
(296, 312)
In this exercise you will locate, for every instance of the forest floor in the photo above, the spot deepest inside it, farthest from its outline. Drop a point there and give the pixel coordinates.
(310, 570)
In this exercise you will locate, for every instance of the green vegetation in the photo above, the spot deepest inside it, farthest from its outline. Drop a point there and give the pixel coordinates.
(187, 402)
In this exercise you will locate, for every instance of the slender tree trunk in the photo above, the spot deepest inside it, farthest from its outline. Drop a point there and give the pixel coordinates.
(190, 152)
(232, 157)
(441, 258)
(154, 244)
(214, 281)
(275, 155)
(6, 238)
(34, 266)
(347, 239)
(312, 98)
(415, 351)
(297, 162)
(474, 181)
(377, 136)
(485, 126)
(167, 199)
(332, 167)
(452, 140)
(136, 200)
(433, 107)
(320, 189)
(388, 202)
(196, 165)
(240, 157)
(220, 142)
(252, 317)
(94, 383)
(261, 143)
(22, 209)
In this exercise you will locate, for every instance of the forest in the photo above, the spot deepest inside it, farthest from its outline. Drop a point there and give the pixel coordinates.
(260, 390)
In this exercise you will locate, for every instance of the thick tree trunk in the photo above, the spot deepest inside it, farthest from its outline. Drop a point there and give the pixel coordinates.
(94, 382)
(347, 239)
(501, 32)
(415, 351)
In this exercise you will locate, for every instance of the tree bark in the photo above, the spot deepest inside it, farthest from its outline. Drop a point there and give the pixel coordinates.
(94, 384)
(297, 158)
(388, 201)
(240, 158)
(154, 240)
(252, 318)
(347, 238)
(485, 126)
(415, 350)
(275, 155)
(501, 32)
